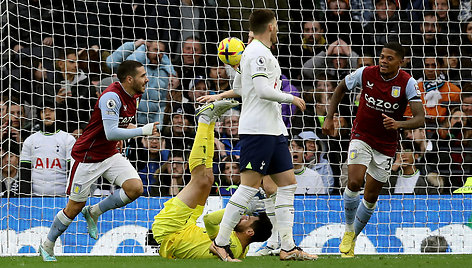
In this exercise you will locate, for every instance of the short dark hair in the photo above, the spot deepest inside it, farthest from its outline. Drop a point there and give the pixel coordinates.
(397, 47)
(259, 19)
(262, 228)
(64, 52)
(128, 67)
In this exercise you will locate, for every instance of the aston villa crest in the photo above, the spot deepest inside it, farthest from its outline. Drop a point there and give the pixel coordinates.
(396, 91)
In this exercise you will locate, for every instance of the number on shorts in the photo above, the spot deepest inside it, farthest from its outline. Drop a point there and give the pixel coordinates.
(389, 164)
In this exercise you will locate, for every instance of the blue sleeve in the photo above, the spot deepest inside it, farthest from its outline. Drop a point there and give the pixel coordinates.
(139, 54)
(120, 55)
(167, 65)
(412, 91)
(110, 105)
(354, 79)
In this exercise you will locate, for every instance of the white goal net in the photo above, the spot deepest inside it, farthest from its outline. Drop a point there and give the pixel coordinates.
(56, 57)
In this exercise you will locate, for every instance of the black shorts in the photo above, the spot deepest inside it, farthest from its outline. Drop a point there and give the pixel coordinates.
(265, 154)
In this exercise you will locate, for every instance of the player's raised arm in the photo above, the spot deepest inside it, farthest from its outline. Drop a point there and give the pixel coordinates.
(328, 125)
(110, 106)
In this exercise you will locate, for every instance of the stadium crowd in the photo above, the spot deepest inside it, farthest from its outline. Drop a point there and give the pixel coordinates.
(60, 55)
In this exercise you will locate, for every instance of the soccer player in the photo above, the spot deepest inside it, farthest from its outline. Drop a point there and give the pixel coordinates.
(264, 147)
(386, 91)
(94, 154)
(175, 228)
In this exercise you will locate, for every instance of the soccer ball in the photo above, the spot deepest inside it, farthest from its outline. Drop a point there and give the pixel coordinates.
(230, 50)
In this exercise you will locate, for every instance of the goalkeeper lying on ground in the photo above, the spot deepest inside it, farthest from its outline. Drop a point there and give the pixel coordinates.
(175, 228)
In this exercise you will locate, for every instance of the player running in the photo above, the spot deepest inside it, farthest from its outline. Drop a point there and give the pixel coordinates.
(175, 228)
(386, 92)
(264, 147)
(95, 154)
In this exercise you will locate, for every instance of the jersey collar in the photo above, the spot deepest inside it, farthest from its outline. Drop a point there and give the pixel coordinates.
(261, 43)
(49, 133)
(386, 80)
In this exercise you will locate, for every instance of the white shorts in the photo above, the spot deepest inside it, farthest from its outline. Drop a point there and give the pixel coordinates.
(379, 166)
(116, 169)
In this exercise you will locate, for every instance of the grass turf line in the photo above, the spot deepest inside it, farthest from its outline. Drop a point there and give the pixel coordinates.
(325, 261)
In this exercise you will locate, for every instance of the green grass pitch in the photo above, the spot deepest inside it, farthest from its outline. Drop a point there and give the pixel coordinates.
(325, 261)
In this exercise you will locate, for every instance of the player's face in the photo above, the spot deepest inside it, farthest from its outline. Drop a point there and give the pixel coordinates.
(389, 61)
(48, 116)
(140, 80)
(245, 223)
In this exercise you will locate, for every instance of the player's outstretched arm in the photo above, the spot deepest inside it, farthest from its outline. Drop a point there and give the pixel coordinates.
(114, 133)
(212, 222)
(417, 121)
(224, 95)
(328, 125)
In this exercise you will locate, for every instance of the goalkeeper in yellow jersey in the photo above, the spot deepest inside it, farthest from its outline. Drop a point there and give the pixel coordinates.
(175, 229)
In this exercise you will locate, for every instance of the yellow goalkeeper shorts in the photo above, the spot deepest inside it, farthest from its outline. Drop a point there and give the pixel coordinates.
(173, 218)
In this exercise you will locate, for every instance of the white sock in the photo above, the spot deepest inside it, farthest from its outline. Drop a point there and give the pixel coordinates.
(235, 208)
(269, 203)
(284, 213)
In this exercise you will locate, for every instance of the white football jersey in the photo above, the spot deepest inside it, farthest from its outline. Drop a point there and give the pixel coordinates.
(259, 116)
(48, 154)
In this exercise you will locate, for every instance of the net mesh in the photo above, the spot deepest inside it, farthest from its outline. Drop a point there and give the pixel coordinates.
(60, 55)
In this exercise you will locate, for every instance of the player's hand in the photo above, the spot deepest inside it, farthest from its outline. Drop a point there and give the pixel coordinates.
(131, 126)
(299, 102)
(328, 127)
(150, 129)
(390, 123)
(209, 98)
(139, 43)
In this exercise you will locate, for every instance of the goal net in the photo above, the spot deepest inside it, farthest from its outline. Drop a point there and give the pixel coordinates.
(57, 57)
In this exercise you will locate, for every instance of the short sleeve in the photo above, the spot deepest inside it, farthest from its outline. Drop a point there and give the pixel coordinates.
(25, 155)
(258, 66)
(237, 84)
(70, 144)
(354, 79)
(412, 90)
(110, 105)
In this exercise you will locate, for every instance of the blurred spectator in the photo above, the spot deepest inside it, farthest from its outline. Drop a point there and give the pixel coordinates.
(338, 61)
(426, 157)
(228, 141)
(312, 42)
(313, 117)
(219, 79)
(159, 71)
(466, 101)
(288, 110)
(30, 82)
(315, 157)
(191, 63)
(75, 97)
(386, 26)
(230, 176)
(446, 12)
(12, 182)
(466, 51)
(150, 155)
(437, 94)
(454, 155)
(45, 156)
(180, 133)
(308, 180)
(452, 64)
(407, 178)
(175, 174)
(365, 61)
(198, 87)
(414, 8)
(174, 21)
(339, 24)
(428, 38)
(338, 145)
(34, 23)
(14, 125)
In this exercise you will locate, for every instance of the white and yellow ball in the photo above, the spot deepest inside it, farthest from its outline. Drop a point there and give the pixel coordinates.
(230, 50)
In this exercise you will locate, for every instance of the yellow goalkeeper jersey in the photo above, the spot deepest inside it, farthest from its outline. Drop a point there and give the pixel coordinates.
(190, 241)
